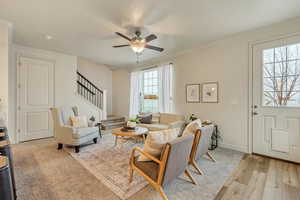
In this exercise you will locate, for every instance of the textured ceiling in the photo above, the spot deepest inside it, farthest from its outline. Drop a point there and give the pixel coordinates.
(86, 27)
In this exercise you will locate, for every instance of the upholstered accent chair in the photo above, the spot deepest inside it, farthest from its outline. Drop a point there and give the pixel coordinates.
(201, 143)
(64, 133)
(161, 171)
(162, 121)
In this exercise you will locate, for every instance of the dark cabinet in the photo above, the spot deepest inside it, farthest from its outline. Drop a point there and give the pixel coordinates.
(6, 189)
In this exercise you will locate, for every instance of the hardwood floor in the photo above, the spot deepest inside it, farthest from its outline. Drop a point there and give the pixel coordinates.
(259, 177)
(43, 172)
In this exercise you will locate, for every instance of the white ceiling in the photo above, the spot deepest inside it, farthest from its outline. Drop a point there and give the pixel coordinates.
(86, 27)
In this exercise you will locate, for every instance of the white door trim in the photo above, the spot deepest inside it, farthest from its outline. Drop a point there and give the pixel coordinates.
(17, 66)
(250, 81)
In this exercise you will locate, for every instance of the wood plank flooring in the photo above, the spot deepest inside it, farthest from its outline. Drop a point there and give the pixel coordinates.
(262, 178)
(43, 173)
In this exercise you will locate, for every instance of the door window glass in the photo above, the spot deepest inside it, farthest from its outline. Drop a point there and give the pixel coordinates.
(281, 76)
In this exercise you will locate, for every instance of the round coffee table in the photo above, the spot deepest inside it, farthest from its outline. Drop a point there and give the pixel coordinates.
(139, 131)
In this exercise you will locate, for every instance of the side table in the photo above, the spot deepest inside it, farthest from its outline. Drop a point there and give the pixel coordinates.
(214, 136)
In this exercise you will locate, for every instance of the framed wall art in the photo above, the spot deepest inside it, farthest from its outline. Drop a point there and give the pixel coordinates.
(193, 93)
(210, 92)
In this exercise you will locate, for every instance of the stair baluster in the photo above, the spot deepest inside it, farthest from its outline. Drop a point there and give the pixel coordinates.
(89, 91)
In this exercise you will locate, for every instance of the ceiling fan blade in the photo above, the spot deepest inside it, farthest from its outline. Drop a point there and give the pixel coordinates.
(150, 37)
(123, 36)
(154, 48)
(124, 45)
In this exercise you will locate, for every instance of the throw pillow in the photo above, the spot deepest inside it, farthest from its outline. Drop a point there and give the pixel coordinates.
(192, 127)
(145, 119)
(155, 142)
(79, 121)
(75, 110)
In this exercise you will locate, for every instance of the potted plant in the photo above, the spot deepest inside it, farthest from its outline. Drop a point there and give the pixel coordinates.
(132, 122)
(192, 117)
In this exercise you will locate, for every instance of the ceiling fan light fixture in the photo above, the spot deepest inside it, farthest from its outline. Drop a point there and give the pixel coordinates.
(138, 45)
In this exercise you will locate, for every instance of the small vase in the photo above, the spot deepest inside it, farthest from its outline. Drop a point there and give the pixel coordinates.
(131, 124)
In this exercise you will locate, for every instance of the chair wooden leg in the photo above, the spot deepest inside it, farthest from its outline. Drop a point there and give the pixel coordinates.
(187, 172)
(130, 175)
(77, 149)
(161, 192)
(116, 140)
(210, 156)
(144, 138)
(60, 146)
(194, 164)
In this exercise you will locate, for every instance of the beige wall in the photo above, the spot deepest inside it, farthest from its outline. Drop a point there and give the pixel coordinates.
(100, 75)
(225, 61)
(4, 59)
(121, 92)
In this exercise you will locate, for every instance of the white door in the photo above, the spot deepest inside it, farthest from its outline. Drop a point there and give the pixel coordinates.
(35, 98)
(276, 99)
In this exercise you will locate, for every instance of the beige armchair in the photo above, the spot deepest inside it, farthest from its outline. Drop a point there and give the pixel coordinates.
(64, 133)
(165, 121)
(162, 171)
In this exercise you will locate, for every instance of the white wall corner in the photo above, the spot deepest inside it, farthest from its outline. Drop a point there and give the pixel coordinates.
(104, 108)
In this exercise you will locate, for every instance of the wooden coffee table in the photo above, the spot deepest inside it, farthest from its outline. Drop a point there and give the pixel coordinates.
(139, 131)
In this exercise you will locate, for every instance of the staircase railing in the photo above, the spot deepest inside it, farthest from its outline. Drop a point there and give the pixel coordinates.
(89, 91)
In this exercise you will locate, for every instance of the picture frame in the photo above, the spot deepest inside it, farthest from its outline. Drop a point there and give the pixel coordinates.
(193, 93)
(210, 92)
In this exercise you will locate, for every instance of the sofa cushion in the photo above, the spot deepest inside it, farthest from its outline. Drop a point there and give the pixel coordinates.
(192, 127)
(154, 127)
(156, 140)
(82, 132)
(79, 122)
(66, 113)
(75, 110)
(145, 119)
(166, 118)
(155, 118)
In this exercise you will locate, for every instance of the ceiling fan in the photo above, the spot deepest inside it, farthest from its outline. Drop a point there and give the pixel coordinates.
(138, 44)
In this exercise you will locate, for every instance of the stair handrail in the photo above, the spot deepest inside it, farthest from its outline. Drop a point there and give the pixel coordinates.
(93, 93)
(82, 76)
(90, 91)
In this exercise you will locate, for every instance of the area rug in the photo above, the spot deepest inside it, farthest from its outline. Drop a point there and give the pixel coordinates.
(110, 165)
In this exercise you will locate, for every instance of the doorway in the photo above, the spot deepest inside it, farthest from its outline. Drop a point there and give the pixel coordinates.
(35, 98)
(276, 99)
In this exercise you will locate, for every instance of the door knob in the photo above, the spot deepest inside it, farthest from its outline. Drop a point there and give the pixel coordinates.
(254, 113)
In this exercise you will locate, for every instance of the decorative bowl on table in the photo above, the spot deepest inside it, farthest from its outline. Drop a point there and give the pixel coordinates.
(127, 128)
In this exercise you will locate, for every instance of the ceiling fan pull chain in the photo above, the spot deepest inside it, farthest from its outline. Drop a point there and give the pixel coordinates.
(137, 58)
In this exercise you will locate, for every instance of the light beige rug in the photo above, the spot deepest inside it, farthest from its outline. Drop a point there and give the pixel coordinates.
(110, 165)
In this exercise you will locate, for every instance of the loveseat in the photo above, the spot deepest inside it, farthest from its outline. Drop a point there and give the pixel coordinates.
(162, 121)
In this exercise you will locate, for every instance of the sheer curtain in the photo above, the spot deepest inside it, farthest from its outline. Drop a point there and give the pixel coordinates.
(165, 100)
(165, 93)
(135, 92)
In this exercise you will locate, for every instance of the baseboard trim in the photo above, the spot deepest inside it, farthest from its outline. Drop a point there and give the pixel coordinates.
(243, 149)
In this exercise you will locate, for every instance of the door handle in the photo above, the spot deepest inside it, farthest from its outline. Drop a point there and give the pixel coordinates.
(254, 113)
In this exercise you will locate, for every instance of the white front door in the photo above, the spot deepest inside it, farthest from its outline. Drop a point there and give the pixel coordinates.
(36, 94)
(276, 99)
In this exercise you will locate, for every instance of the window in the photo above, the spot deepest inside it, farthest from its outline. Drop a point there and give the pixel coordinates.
(150, 84)
(151, 90)
(281, 81)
